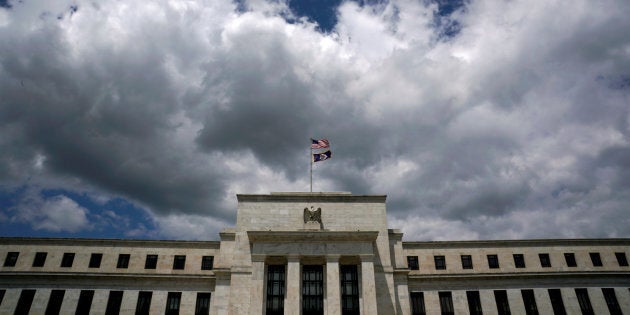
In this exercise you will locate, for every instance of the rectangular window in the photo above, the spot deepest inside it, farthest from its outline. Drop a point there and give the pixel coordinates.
(313, 290)
(67, 260)
(545, 262)
(503, 306)
(556, 302)
(113, 303)
(123, 261)
(596, 259)
(446, 303)
(11, 259)
(95, 260)
(85, 302)
(474, 303)
(621, 259)
(144, 303)
(40, 259)
(172, 303)
(467, 262)
(611, 301)
(24, 302)
(207, 262)
(54, 302)
(202, 307)
(349, 290)
(530, 302)
(493, 261)
(570, 259)
(417, 303)
(440, 262)
(179, 262)
(412, 262)
(519, 261)
(151, 262)
(275, 290)
(584, 301)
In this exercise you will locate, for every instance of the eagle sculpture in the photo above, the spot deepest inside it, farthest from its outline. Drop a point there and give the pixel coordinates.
(313, 215)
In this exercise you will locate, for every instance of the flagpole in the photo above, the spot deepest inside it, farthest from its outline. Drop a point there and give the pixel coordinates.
(311, 158)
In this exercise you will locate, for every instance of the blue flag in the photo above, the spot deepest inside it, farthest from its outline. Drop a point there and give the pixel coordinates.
(317, 157)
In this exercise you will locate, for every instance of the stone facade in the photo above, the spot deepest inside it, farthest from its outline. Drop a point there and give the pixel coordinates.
(277, 261)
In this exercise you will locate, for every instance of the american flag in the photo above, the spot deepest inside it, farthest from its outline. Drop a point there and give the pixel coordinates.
(319, 144)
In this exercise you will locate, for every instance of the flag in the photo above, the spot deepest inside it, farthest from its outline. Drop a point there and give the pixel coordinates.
(320, 144)
(317, 157)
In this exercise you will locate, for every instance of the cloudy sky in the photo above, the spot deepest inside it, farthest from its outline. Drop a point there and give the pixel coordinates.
(480, 119)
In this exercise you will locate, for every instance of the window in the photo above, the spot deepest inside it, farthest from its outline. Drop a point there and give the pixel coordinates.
(503, 306)
(172, 303)
(493, 261)
(67, 260)
(556, 302)
(275, 290)
(417, 303)
(54, 302)
(584, 301)
(446, 303)
(474, 303)
(113, 302)
(570, 259)
(144, 303)
(530, 302)
(40, 259)
(621, 259)
(207, 262)
(123, 261)
(545, 262)
(11, 259)
(596, 259)
(95, 260)
(349, 290)
(151, 262)
(313, 289)
(440, 262)
(2, 295)
(202, 307)
(519, 261)
(412, 262)
(467, 262)
(611, 301)
(85, 302)
(179, 262)
(24, 302)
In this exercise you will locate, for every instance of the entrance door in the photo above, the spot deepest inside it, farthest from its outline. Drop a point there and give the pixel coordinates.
(312, 290)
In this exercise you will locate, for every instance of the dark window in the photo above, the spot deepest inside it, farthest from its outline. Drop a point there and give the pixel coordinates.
(2, 295)
(596, 259)
(556, 302)
(493, 261)
(144, 303)
(67, 260)
(621, 259)
(584, 301)
(440, 262)
(113, 302)
(611, 301)
(570, 259)
(179, 262)
(544, 260)
(151, 262)
(24, 302)
(40, 259)
(530, 302)
(172, 303)
(412, 262)
(275, 290)
(503, 306)
(519, 261)
(54, 302)
(467, 262)
(207, 262)
(474, 303)
(313, 290)
(123, 261)
(95, 260)
(417, 303)
(446, 303)
(85, 302)
(349, 290)
(11, 259)
(202, 307)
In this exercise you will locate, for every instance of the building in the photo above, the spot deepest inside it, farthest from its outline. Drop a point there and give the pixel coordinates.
(313, 253)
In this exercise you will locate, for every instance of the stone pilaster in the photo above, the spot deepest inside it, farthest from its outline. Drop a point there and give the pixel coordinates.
(258, 284)
(292, 300)
(333, 294)
(368, 286)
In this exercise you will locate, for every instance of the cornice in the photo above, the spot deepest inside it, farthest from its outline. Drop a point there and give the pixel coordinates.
(517, 243)
(312, 197)
(108, 242)
(312, 236)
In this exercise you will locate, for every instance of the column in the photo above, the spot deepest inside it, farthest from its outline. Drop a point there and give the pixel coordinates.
(333, 294)
(292, 301)
(368, 286)
(257, 293)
